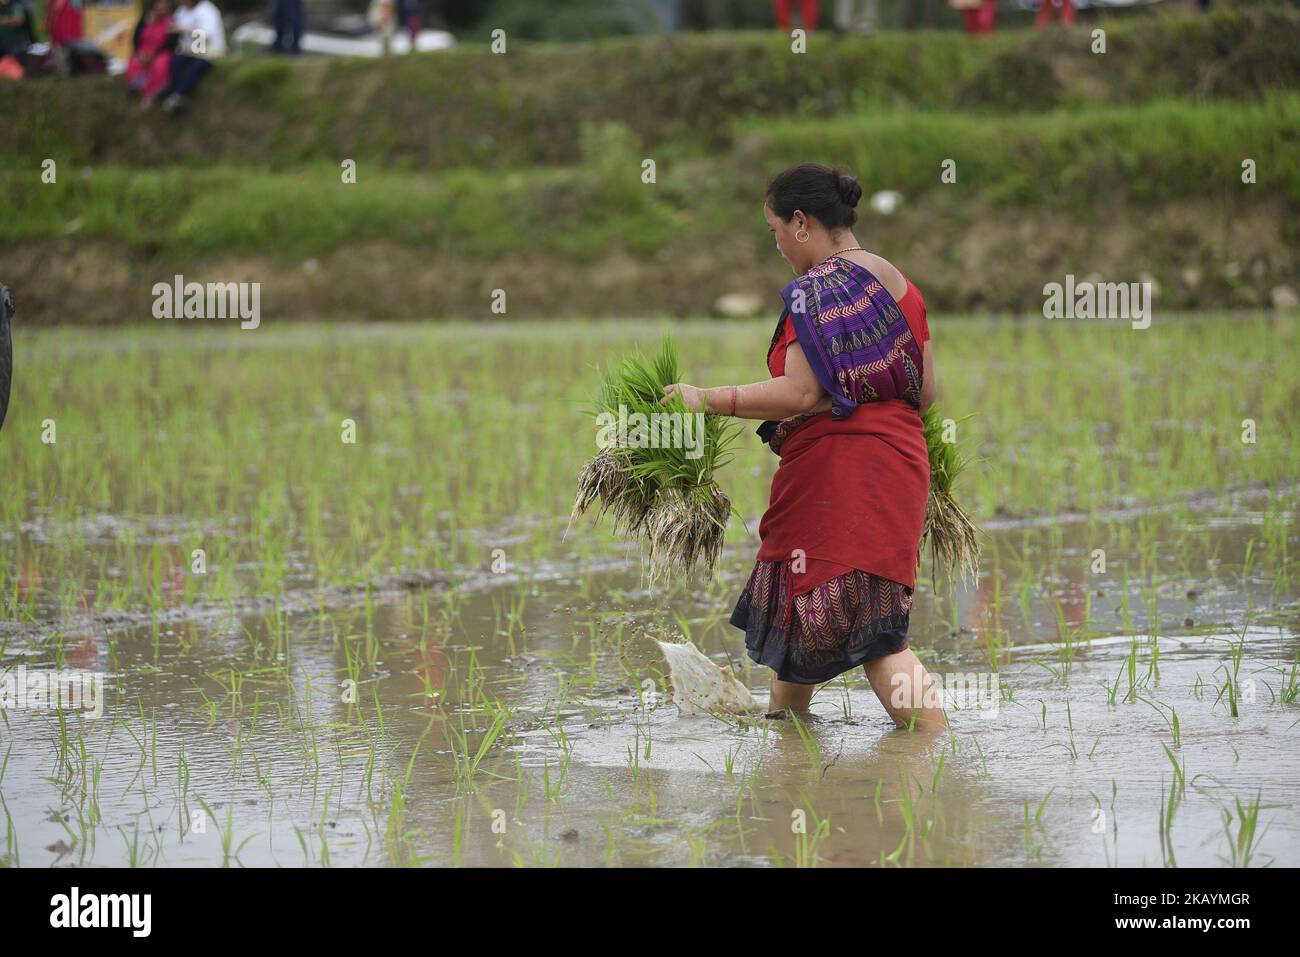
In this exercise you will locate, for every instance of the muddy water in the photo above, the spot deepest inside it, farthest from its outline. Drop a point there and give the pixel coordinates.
(519, 718)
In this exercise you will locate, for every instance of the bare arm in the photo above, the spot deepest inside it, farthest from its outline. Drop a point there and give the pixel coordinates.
(794, 393)
(780, 397)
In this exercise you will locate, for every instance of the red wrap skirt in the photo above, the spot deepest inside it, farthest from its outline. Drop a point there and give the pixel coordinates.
(832, 584)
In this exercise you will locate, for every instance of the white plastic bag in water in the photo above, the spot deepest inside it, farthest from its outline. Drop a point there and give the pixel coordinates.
(700, 686)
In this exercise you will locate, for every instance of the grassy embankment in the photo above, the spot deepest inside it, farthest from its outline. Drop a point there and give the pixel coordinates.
(523, 172)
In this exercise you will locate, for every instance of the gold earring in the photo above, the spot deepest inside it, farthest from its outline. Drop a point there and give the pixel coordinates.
(805, 235)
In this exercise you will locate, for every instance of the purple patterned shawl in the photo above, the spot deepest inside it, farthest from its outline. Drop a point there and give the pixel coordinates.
(855, 338)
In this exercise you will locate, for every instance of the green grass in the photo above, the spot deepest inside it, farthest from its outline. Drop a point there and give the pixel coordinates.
(1083, 160)
(245, 211)
(181, 436)
(948, 531)
(1152, 152)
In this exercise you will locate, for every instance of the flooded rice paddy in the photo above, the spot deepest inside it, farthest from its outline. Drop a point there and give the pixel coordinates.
(321, 577)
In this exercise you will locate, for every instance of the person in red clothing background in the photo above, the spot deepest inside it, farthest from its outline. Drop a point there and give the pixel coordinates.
(63, 18)
(809, 10)
(1045, 12)
(980, 15)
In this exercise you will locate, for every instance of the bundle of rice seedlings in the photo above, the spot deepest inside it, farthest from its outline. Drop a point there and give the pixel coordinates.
(649, 481)
(607, 480)
(686, 528)
(953, 537)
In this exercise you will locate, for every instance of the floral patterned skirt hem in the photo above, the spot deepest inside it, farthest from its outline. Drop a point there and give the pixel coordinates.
(833, 628)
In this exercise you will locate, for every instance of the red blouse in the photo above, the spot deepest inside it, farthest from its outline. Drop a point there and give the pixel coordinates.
(881, 537)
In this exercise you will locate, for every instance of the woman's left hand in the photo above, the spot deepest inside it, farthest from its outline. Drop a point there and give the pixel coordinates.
(693, 397)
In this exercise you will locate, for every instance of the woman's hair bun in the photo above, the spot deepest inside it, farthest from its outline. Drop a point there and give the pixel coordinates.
(849, 188)
(825, 193)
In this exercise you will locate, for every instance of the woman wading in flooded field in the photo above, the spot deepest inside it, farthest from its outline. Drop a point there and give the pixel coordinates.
(851, 372)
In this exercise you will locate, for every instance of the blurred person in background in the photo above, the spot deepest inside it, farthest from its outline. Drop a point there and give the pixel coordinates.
(286, 16)
(201, 38)
(1045, 12)
(857, 16)
(15, 28)
(149, 70)
(809, 11)
(980, 14)
(382, 17)
(408, 12)
(64, 21)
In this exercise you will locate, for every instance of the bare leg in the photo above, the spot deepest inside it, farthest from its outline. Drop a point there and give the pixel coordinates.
(787, 694)
(906, 689)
